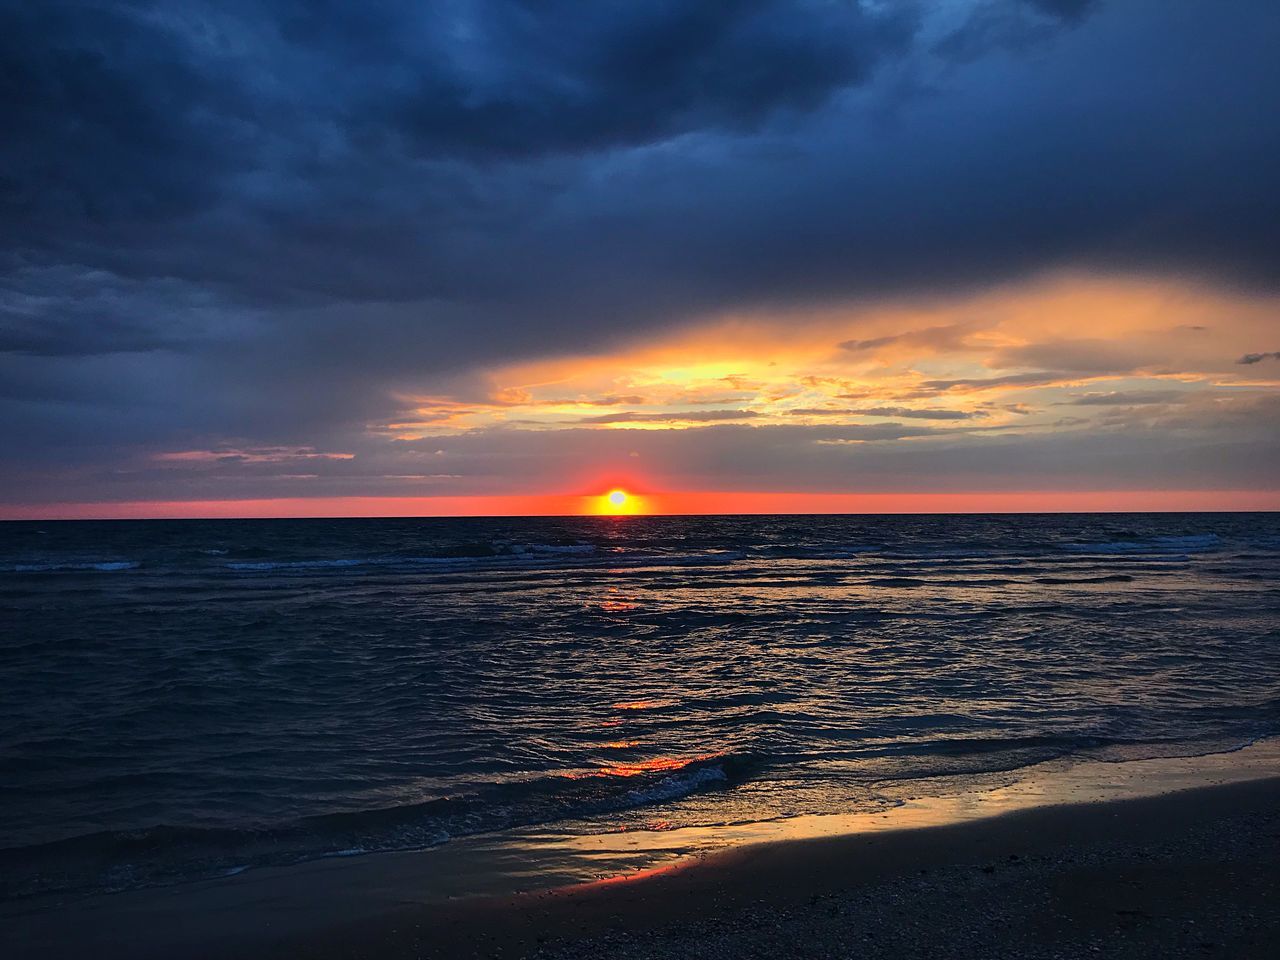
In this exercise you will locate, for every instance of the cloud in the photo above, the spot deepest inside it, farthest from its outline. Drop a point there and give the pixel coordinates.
(1244, 414)
(1251, 358)
(1128, 398)
(1064, 9)
(251, 455)
(974, 384)
(1009, 24)
(1093, 356)
(150, 110)
(942, 338)
(696, 416)
(521, 80)
(610, 400)
(911, 413)
(73, 312)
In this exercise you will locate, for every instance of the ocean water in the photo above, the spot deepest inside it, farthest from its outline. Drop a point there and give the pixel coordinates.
(181, 700)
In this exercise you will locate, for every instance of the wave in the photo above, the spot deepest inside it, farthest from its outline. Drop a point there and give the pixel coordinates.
(1105, 578)
(901, 763)
(1198, 543)
(516, 555)
(891, 562)
(247, 565)
(117, 860)
(1160, 549)
(823, 552)
(976, 746)
(71, 566)
(676, 786)
(467, 556)
(537, 549)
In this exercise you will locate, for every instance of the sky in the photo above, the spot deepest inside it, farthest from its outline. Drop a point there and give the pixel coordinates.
(276, 257)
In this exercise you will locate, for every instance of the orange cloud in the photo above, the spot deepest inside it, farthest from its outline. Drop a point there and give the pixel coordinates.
(1027, 340)
(249, 455)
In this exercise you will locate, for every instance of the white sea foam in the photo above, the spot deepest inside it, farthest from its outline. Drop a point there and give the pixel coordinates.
(678, 785)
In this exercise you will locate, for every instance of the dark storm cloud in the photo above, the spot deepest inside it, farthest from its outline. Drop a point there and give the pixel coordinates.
(1017, 25)
(320, 155)
(564, 77)
(127, 110)
(110, 119)
(484, 154)
(73, 312)
(1065, 9)
(268, 220)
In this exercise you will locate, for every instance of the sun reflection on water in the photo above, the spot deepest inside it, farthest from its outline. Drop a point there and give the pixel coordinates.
(639, 768)
(642, 704)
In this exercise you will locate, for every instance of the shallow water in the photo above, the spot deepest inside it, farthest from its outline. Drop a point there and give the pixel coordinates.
(188, 699)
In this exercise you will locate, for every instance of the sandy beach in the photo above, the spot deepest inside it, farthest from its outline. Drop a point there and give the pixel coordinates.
(1173, 857)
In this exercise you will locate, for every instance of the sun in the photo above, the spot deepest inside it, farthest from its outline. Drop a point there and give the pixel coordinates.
(618, 502)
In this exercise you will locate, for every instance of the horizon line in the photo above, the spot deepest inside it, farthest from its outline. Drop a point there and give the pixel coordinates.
(669, 504)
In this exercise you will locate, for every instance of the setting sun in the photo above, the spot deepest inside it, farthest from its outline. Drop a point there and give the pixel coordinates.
(617, 502)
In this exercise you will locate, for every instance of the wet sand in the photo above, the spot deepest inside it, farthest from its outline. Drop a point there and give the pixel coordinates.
(1193, 874)
(1013, 871)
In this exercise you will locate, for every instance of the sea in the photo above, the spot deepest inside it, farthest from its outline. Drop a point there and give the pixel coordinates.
(182, 700)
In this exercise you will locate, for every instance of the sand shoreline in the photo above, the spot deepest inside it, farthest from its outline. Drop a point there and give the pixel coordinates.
(827, 887)
(1194, 873)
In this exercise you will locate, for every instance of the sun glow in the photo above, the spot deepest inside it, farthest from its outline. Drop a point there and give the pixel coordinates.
(618, 502)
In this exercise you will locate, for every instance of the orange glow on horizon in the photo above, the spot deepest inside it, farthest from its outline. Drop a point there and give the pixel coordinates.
(672, 503)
